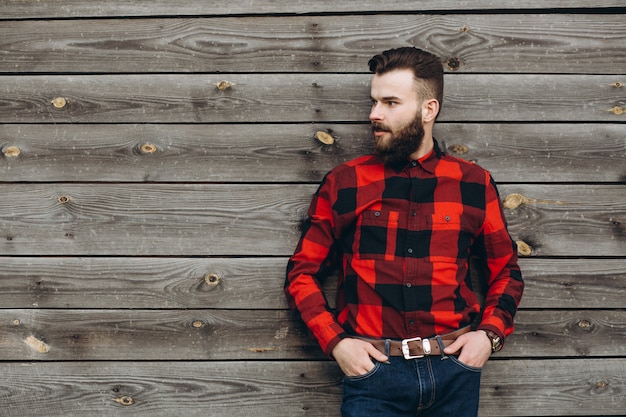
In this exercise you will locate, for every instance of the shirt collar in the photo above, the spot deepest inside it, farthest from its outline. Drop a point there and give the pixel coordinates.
(428, 162)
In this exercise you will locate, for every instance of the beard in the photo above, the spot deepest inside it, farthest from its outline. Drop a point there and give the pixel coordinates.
(401, 144)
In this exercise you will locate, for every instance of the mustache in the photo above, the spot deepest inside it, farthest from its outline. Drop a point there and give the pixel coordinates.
(377, 126)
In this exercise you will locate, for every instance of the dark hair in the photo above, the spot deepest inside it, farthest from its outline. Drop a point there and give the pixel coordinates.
(426, 67)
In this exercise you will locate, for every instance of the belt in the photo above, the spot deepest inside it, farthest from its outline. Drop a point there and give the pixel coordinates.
(417, 347)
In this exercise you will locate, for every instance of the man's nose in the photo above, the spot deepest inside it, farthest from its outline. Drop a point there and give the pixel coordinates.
(375, 114)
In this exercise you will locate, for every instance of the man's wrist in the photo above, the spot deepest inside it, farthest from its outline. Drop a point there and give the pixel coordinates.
(494, 339)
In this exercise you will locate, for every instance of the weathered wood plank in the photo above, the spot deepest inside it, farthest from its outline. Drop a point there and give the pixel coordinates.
(170, 389)
(297, 98)
(505, 43)
(21, 9)
(255, 283)
(260, 335)
(565, 283)
(263, 220)
(175, 219)
(580, 387)
(561, 220)
(290, 153)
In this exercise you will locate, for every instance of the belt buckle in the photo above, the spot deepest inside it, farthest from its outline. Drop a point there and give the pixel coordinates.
(406, 351)
(405, 348)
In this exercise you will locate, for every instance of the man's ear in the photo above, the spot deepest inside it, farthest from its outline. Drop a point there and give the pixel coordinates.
(430, 110)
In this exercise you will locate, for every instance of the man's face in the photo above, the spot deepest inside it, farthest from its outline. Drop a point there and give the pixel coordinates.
(396, 115)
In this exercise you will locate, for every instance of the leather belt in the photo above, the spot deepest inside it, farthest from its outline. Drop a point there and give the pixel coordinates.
(416, 347)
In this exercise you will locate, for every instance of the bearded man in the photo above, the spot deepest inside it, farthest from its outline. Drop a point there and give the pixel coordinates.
(408, 331)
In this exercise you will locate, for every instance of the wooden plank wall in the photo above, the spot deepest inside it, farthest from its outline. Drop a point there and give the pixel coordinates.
(157, 158)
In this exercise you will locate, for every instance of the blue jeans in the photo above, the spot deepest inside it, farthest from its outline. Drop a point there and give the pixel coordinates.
(436, 386)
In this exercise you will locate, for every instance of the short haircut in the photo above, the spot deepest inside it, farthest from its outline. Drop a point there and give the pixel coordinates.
(426, 67)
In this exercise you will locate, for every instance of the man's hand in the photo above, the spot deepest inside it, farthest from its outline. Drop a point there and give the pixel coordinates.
(475, 348)
(354, 356)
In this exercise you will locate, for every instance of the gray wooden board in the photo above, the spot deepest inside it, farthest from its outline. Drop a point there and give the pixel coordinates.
(280, 98)
(519, 152)
(19, 9)
(256, 283)
(580, 387)
(257, 220)
(191, 334)
(505, 43)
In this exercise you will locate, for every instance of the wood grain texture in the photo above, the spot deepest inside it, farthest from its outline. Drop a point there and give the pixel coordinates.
(255, 283)
(157, 159)
(576, 387)
(297, 98)
(559, 220)
(519, 152)
(264, 220)
(122, 335)
(485, 43)
(19, 9)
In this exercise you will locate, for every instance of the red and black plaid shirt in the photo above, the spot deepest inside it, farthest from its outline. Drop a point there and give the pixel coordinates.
(404, 235)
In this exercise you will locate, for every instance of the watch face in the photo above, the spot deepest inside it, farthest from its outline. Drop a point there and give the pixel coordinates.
(496, 343)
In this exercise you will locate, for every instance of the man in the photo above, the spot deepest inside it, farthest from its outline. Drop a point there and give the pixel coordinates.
(403, 223)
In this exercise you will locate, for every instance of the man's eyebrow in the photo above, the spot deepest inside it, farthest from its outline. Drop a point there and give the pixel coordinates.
(388, 98)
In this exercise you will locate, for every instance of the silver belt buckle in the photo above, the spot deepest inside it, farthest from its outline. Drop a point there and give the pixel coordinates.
(406, 351)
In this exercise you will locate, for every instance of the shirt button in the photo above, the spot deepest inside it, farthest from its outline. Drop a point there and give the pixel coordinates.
(411, 322)
(414, 163)
(377, 213)
(410, 250)
(447, 218)
(408, 285)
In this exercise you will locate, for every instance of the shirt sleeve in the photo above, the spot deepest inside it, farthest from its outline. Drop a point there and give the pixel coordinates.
(311, 257)
(505, 284)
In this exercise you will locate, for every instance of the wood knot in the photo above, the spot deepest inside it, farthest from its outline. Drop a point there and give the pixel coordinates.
(125, 400)
(513, 201)
(198, 324)
(324, 137)
(584, 324)
(36, 344)
(465, 29)
(617, 85)
(11, 151)
(16, 322)
(58, 102)
(459, 149)
(64, 199)
(617, 110)
(602, 384)
(212, 279)
(224, 85)
(148, 148)
(453, 63)
(523, 248)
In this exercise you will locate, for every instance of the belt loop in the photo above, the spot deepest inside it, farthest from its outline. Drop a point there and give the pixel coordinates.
(441, 347)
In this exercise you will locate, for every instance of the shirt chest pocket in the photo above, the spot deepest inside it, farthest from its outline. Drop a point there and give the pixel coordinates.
(444, 221)
(376, 235)
(450, 237)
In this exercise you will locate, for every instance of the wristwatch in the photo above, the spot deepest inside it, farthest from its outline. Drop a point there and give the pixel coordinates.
(496, 341)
